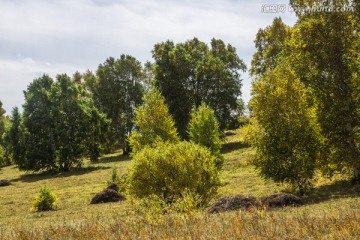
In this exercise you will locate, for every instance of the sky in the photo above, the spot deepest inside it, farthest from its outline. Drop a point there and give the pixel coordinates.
(63, 36)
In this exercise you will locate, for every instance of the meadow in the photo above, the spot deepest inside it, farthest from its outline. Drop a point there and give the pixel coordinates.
(331, 210)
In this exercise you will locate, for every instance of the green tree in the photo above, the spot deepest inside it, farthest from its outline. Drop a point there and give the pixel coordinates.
(153, 122)
(116, 93)
(39, 135)
(269, 43)
(2, 122)
(191, 72)
(78, 124)
(286, 138)
(2, 131)
(60, 126)
(14, 137)
(204, 130)
(170, 170)
(69, 121)
(324, 52)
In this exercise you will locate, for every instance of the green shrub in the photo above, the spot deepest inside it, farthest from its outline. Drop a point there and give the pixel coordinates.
(204, 130)
(45, 200)
(120, 181)
(173, 171)
(2, 157)
(115, 178)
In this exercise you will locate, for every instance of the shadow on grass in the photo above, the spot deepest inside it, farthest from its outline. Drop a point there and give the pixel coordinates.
(118, 158)
(335, 190)
(34, 177)
(231, 146)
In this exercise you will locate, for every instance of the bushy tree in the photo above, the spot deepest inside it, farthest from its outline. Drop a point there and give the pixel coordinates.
(170, 171)
(269, 43)
(117, 91)
(204, 130)
(60, 126)
(38, 134)
(2, 132)
(324, 52)
(153, 122)
(14, 137)
(191, 72)
(286, 138)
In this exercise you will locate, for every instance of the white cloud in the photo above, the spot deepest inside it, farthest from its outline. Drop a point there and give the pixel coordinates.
(74, 35)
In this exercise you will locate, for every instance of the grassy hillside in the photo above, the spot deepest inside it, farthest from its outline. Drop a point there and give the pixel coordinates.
(332, 209)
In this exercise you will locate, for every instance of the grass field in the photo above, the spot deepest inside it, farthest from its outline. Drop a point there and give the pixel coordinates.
(332, 209)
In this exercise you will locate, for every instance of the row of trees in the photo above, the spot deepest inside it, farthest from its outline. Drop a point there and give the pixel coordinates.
(305, 97)
(73, 117)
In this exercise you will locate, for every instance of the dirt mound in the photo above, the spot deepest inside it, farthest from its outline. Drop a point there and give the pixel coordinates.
(228, 133)
(107, 195)
(4, 183)
(231, 203)
(281, 200)
(114, 187)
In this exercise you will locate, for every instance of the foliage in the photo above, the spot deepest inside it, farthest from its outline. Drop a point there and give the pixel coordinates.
(38, 134)
(286, 139)
(169, 170)
(269, 43)
(204, 130)
(153, 123)
(14, 137)
(324, 53)
(2, 157)
(191, 72)
(115, 177)
(117, 91)
(2, 122)
(45, 201)
(60, 126)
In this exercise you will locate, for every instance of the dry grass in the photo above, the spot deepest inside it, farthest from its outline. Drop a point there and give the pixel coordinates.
(332, 209)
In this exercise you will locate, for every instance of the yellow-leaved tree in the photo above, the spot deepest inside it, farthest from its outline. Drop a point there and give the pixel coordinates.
(286, 139)
(153, 123)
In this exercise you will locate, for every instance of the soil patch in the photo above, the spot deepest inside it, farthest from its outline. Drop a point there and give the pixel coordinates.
(107, 195)
(4, 183)
(281, 200)
(231, 203)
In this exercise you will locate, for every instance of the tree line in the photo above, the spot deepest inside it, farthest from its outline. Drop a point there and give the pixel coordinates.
(69, 118)
(304, 110)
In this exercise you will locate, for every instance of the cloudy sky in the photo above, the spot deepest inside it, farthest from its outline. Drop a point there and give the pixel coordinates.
(53, 36)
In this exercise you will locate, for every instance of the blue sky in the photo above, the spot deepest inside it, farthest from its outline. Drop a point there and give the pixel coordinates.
(51, 36)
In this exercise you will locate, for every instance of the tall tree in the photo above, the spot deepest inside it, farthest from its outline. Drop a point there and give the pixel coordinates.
(14, 137)
(191, 72)
(60, 126)
(39, 128)
(117, 92)
(2, 131)
(286, 137)
(153, 122)
(69, 122)
(325, 51)
(269, 43)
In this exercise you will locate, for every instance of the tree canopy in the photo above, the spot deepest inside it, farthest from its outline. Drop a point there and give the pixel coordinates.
(191, 72)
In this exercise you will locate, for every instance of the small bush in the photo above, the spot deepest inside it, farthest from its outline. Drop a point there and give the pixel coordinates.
(119, 181)
(115, 178)
(45, 200)
(173, 172)
(204, 130)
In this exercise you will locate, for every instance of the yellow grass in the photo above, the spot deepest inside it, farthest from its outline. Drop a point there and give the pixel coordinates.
(332, 209)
